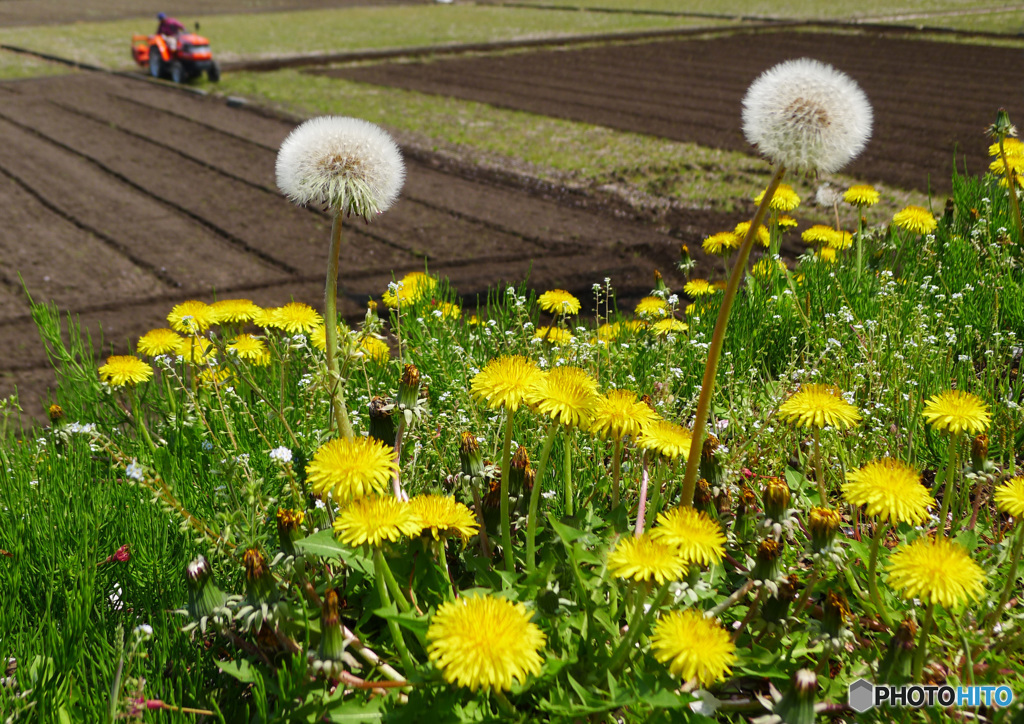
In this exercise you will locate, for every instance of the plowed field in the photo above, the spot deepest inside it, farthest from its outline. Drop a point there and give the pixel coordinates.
(931, 99)
(120, 198)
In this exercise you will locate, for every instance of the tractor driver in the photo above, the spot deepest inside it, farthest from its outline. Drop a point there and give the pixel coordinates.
(170, 28)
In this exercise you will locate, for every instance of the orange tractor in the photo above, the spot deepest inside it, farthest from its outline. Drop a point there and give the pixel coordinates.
(178, 58)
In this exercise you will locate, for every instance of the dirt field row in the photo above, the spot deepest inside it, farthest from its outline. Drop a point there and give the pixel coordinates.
(119, 198)
(930, 98)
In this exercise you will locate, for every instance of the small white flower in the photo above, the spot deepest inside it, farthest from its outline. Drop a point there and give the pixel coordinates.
(134, 471)
(281, 454)
(807, 115)
(347, 164)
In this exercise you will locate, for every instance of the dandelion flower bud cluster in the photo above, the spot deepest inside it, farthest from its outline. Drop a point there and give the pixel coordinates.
(807, 116)
(346, 164)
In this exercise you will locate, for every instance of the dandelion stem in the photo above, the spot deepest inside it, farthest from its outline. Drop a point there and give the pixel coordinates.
(439, 549)
(538, 483)
(880, 530)
(641, 509)
(506, 457)
(616, 471)
(382, 589)
(947, 494)
(718, 339)
(567, 473)
(137, 414)
(819, 468)
(655, 506)
(331, 331)
(921, 652)
(396, 480)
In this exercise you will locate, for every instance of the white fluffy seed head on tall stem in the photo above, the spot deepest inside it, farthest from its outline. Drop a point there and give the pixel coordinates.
(346, 164)
(807, 116)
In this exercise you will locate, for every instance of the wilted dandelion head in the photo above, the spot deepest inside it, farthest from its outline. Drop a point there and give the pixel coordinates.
(891, 490)
(785, 198)
(505, 381)
(957, 411)
(565, 394)
(819, 406)
(666, 438)
(698, 537)
(442, 515)
(485, 643)
(722, 243)
(915, 219)
(936, 570)
(558, 301)
(646, 559)
(693, 646)
(619, 413)
(351, 469)
(1009, 497)
(122, 370)
(376, 519)
(346, 164)
(807, 116)
(159, 341)
(861, 195)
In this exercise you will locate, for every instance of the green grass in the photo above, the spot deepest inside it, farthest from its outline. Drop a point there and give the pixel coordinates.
(265, 35)
(643, 167)
(18, 65)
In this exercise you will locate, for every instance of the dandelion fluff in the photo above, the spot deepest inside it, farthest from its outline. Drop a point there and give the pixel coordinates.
(807, 115)
(346, 164)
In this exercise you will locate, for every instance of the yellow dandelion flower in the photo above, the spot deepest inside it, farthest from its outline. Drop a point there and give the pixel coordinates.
(215, 376)
(819, 406)
(861, 195)
(375, 350)
(957, 411)
(413, 287)
(652, 308)
(250, 349)
(619, 413)
(722, 243)
(891, 490)
(699, 538)
(485, 643)
(787, 222)
(1016, 164)
(646, 559)
(665, 327)
(915, 219)
(1013, 147)
(818, 234)
(840, 240)
(351, 469)
(505, 381)
(666, 438)
(376, 519)
(191, 317)
(235, 310)
(785, 198)
(159, 341)
(693, 646)
(1009, 497)
(566, 394)
(448, 310)
(121, 370)
(265, 317)
(554, 335)
(197, 350)
(558, 301)
(763, 238)
(764, 268)
(441, 515)
(936, 570)
(318, 337)
(698, 288)
(826, 254)
(294, 318)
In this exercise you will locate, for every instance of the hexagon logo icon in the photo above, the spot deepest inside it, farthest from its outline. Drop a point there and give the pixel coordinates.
(861, 695)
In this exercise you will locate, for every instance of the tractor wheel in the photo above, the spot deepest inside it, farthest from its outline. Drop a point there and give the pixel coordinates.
(177, 72)
(213, 72)
(155, 62)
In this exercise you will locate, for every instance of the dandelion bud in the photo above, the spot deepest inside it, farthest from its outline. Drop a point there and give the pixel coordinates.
(775, 608)
(471, 456)
(823, 525)
(56, 413)
(684, 254)
(332, 640)
(835, 614)
(776, 498)
(746, 508)
(659, 282)
(806, 115)
(707, 450)
(702, 496)
(204, 598)
(289, 528)
(409, 388)
(259, 581)
(519, 467)
(1002, 128)
(895, 666)
(766, 561)
(979, 451)
(797, 704)
(382, 422)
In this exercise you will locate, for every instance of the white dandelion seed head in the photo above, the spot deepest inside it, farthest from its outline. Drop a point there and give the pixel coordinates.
(807, 116)
(346, 164)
